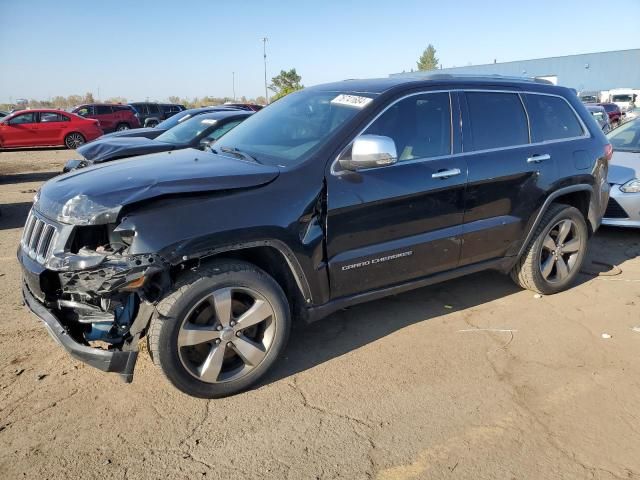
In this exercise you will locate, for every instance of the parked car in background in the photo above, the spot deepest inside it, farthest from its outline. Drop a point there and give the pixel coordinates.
(589, 97)
(332, 196)
(601, 116)
(623, 209)
(153, 132)
(112, 117)
(47, 127)
(151, 114)
(614, 112)
(253, 107)
(197, 132)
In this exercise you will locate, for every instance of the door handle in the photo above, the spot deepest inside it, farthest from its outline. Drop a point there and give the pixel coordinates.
(446, 173)
(538, 158)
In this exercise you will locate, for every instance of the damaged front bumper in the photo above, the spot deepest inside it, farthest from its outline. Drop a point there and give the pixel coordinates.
(117, 361)
(96, 304)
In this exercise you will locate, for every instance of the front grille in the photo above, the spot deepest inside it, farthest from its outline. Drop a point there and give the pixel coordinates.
(38, 237)
(614, 210)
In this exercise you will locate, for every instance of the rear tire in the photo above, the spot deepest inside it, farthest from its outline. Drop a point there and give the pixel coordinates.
(74, 140)
(122, 126)
(152, 124)
(554, 256)
(220, 330)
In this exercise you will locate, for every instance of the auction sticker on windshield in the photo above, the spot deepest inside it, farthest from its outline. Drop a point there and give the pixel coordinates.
(351, 100)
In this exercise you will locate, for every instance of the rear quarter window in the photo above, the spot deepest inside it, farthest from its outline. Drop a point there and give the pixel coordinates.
(552, 118)
(496, 120)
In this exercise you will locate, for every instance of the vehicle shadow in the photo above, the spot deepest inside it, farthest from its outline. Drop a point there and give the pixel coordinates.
(14, 178)
(32, 149)
(13, 215)
(350, 329)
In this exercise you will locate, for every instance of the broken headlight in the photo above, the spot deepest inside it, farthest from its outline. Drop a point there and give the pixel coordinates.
(81, 210)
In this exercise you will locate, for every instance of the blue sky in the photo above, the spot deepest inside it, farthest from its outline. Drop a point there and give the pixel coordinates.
(140, 49)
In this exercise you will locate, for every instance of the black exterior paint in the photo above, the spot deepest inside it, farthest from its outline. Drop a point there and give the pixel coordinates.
(183, 209)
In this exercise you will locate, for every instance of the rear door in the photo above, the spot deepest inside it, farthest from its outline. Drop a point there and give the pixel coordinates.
(508, 176)
(391, 224)
(21, 131)
(106, 117)
(51, 127)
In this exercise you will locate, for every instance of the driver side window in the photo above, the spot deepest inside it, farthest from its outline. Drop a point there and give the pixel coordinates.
(23, 118)
(420, 126)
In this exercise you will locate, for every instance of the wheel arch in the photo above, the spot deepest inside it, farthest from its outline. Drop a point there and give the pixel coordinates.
(578, 196)
(272, 256)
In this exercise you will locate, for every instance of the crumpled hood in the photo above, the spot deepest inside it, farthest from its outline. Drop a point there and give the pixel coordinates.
(127, 181)
(106, 149)
(147, 132)
(624, 166)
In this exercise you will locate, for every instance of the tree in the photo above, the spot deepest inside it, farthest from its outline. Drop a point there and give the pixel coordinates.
(88, 98)
(260, 100)
(285, 83)
(116, 100)
(174, 99)
(428, 59)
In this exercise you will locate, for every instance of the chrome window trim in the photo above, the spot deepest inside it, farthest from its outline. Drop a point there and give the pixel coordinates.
(338, 173)
(586, 132)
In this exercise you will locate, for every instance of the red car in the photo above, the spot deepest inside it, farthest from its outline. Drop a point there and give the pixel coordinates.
(112, 117)
(43, 128)
(614, 112)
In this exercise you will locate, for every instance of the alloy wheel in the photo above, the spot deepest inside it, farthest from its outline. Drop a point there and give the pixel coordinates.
(74, 140)
(560, 251)
(226, 334)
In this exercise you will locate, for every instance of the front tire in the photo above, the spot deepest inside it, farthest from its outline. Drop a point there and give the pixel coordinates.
(554, 256)
(74, 140)
(220, 330)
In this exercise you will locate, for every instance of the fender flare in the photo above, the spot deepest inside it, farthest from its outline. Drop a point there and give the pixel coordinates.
(292, 262)
(545, 206)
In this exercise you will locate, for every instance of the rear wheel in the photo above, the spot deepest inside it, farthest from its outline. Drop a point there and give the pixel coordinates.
(152, 124)
(556, 252)
(74, 140)
(122, 126)
(221, 329)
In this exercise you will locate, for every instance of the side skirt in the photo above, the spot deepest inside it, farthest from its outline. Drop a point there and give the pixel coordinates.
(319, 312)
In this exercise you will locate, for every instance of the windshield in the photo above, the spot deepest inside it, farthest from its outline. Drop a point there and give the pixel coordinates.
(599, 116)
(622, 98)
(288, 131)
(187, 131)
(626, 138)
(175, 120)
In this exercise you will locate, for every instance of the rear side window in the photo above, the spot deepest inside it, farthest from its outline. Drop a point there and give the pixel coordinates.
(122, 108)
(496, 120)
(551, 118)
(103, 109)
(420, 126)
(49, 117)
(153, 108)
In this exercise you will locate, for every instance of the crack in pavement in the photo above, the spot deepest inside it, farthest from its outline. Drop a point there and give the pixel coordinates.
(352, 421)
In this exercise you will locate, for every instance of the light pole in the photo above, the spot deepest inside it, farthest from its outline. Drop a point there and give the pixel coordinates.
(264, 51)
(234, 85)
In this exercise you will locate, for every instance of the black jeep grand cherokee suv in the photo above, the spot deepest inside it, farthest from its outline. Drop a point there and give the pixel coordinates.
(332, 196)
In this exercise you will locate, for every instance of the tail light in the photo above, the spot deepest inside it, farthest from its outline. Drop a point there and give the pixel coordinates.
(608, 152)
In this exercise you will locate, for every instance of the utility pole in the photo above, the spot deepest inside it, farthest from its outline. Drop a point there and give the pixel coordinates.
(234, 85)
(264, 51)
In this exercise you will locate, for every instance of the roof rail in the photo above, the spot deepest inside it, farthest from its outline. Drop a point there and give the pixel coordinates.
(494, 76)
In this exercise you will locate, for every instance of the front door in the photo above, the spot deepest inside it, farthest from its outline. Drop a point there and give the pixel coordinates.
(391, 224)
(20, 131)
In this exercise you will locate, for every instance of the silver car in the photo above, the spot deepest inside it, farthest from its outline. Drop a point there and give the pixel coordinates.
(623, 209)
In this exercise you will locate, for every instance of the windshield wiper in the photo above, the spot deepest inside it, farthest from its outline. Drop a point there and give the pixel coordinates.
(238, 153)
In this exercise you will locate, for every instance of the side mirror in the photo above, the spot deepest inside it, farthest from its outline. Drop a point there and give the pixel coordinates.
(369, 151)
(205, 144)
